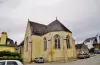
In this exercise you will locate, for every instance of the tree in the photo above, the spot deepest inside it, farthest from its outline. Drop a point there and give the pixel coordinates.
(91, 50)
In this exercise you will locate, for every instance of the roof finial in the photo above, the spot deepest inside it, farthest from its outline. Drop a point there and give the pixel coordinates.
(28, 20)
(56, 18)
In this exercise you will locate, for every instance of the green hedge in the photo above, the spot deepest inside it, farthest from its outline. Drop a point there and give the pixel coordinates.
(7, 55)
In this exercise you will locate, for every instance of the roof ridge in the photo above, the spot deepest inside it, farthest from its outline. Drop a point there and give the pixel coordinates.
(36, 23)
(41, 29)
(59, 23)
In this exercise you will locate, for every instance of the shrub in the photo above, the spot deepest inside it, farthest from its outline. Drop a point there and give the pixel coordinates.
(91, 50)
(14, 54)
(7, 55)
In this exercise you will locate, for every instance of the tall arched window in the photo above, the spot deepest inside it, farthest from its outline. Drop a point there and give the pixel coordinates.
(68, 41)
(57, 41)
(45, 44)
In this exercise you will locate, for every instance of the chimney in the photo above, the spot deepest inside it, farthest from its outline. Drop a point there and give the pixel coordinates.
(3, 38)
(15, 42)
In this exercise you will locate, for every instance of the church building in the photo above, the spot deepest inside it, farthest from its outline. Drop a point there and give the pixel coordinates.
(53, 42)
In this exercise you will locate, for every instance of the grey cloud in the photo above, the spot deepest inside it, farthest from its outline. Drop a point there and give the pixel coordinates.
(11, 26)
(16, 31)
(7, 6)
(84, 29)
(2, 1)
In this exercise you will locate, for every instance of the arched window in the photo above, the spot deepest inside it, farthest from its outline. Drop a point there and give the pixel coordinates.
(68, 41)
(45, 44)
(57, 41)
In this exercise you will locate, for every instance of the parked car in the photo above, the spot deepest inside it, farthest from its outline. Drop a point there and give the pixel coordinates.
(39, 60)
(83, 56)
(97, 51)
(10, 62)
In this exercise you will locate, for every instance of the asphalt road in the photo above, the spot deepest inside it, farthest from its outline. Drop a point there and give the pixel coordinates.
(95, 60)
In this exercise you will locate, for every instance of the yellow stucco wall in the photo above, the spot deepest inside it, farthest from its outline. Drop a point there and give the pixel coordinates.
(3, 38)
(63, 53)
(36, 46)
(7, 48)
(27, 53)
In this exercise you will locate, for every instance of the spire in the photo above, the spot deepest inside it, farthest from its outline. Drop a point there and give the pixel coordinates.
(28, 20)
(56, 18)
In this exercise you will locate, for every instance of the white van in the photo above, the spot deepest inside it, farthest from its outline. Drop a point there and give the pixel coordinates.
(10, 62)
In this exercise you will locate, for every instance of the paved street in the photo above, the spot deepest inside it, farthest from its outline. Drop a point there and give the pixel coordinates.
(90, 61)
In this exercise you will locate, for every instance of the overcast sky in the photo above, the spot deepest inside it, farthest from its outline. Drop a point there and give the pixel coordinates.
(82, 17)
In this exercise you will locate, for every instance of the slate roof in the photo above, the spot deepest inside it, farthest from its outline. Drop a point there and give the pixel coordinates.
(88, 39)
(37, 29)
(11, 43)
(22, 43)
(92, 38)
(57, 26)
(41, 29)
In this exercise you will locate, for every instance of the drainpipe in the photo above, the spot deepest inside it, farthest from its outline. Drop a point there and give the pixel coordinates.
(63, 50)
(31, 50)
(51, 51)
(51, 48)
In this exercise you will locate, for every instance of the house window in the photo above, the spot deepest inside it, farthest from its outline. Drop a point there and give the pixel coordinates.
(45, 44)
(68, 42)
(57, 41)
(26, 44)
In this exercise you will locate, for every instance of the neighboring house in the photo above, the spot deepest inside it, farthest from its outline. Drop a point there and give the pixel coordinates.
(53, 42)
(90, 42)
(7, 44)
(81, 47)
(20, 49)
(97, 48)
